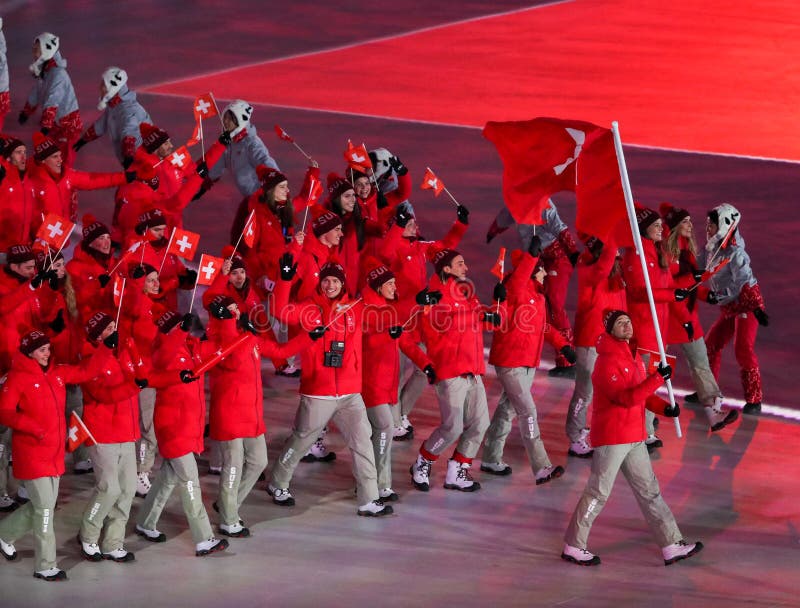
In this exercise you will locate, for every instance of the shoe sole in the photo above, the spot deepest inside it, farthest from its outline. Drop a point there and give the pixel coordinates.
(473, 488)
(289, 502)
(140, 495)
(12, 557)
(732, 416)
(557, 472)
(504, 473)
(595, 561)
(393, 497)
(82, 472)
(422, 487)
(697, 548)
(161, 538)
(9, 508)
(329, 457)
(89, 557)
(245, 533)
(578, 455)
(387, 510)
(129, 557)
(754, 411)
(61, 576)
(220, 546)
(406, 437)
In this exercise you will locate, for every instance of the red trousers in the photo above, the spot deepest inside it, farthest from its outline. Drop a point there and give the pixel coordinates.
(742, 328)
(556, 284)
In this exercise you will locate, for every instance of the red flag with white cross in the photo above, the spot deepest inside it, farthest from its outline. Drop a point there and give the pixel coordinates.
(180, 158)
(205, 107)
(55, 230)
(77, 433)
(314, 192)
(208, 269)
(283, 134)
(499, 267)
(357, 157)
(431, 182)
(184, 243)
(249, 233)
(119, 285)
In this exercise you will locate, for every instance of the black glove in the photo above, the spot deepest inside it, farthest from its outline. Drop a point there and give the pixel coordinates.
(245, 324)
(317, 332)
(492, 317)
(220, 311)
(426, 298)
(681, 294)
(672, 411)
(130, 176)
(288, 266)
(697, 275)
(396, 164)
(689, 329)
(103, 279)
(225, 138)
(58, 324)
(463, 214)
(382, 202)
(187, 321)
(535, 248)
(402, 216)
(138, 272)
(42, 276)
(52, 280)
(573, 257)
(569, 353)
(186, 376)
(499, 294)
(202, 169)
(395, 331)
(430, 373)
(79, 144)
(188, 279)
(665, 371)
(127, 162)
(761, 316)
(112, 339)
(23, 118)
(712, 298)
(44, 131)
(141, 382)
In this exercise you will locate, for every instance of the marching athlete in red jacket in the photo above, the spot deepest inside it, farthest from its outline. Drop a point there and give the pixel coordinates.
(453, 335)
(111, 414)
(32, 404)
(516, 352)
(330, 382)
(90, 270)
(237, 405)
(17, 206)
(622, 391)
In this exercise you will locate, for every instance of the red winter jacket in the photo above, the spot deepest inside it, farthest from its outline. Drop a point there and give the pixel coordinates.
(311, 258)
(453, 330)
(169, 278)
(381, 375)
(638, 307)
(17, 208)
(84, 270)
(686, 311)
(622, 390)
(19, 308)
(32, 403)
(237, 395)
(245, 298)
(519, 341)
(59, 194)
(111, 402)
(597, 292)
(315, 378)
(138, 319)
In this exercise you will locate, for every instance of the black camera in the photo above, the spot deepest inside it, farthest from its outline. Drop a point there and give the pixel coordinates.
(335, 356)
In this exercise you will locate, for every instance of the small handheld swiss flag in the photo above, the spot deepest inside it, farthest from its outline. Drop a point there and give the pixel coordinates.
(431, 182)
(357, 157)
(499, 267)
(119, 288)
(208, 269)
(249, 233)
(314, 192)
(184, 243)
(55, 230)
(205, 106)
(283, 134)
(180, 158)
(77, 433)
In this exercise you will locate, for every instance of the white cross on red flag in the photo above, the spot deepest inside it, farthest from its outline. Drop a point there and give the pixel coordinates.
(431, 182)
(208, 269)
(55, 230)
(180, 158)
(249, 233)
(499, 267)
(204, 107)
(357, 157)
(184, 243)
(119, 285)
(77, 433)
(283, 134)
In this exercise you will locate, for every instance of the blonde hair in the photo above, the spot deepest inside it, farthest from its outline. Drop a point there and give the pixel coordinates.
(673, 248)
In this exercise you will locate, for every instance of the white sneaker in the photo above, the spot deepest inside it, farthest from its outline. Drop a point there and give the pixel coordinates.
(376, 508)
(680, 550)
(215, 470)
(280, 496)
(143, 484)
(388, 495)
(119, 555)
(458, 477)
(319, 453)
(401, 433)
(582, 557)
(719, 418)
(421, 473)
(583, 447)
(90, 551)
(406, 423)
(237, 530)
(548, 474)
(496, 468)
(83, 467)
(652, 442)
(7, 504)
(154, 536)
(8, 550)
(212, 545)
(52, 574)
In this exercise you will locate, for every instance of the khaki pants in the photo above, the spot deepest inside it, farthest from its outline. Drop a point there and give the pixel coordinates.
(350, 416)
(146, 446)
(110, 503)
(75, 404)
(582, 394)
(634, 462)
(465, 416)
(243, 460)
(380, 418)
(648, 415)
(37, 516)
(515, 402)
(700, 370)
(411, 388)
(5, 452)
(180, 472)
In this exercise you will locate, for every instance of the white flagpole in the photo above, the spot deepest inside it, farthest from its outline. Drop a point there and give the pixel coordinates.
(637, 240)
(85, 428)
(453, 198)
(216, 107)
(239, 240)
(166, 250)
(119, 308)
(64, 242)
(202, 141)
(194, 291)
